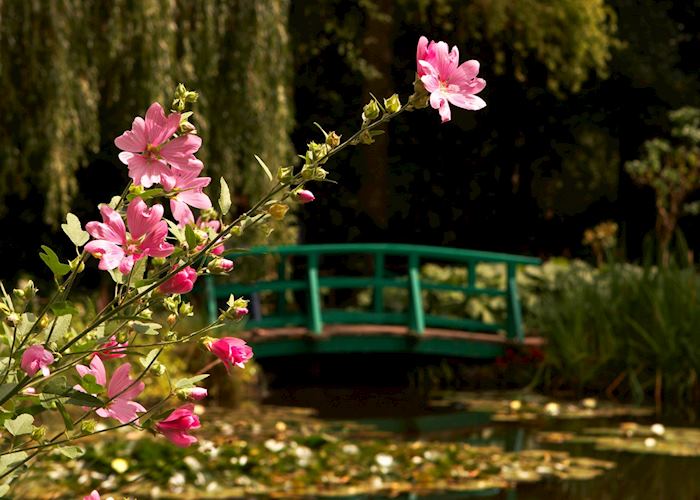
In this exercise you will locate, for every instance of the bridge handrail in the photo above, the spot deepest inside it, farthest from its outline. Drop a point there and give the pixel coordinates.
(416, 317)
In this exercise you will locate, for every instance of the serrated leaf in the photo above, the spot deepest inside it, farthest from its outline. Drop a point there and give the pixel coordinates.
(74, 230)
(190, 237)
(146, 328)
(51, 260)
(63, 307)
(185, 383)
(7, 461)
(148, 359)
(224, 197)
(264, 167)
(21, 425)
(71, 451)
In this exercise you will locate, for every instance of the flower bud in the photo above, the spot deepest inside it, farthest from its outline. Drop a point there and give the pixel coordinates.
(370, 111)
(305, 196)
(186, 308)
(172, 319)
(192, 393)
(220, 266)
(122, 337)
(278, 211)
(333, 139)
(146, 314)
(393, 104)
(44, 321)
(237, 230)
(187, 128)
(285, 174)
(18, 292)
(4, 309)
(420, 97)
(39, 433)
(77, 263)
(88, 426)
(157, 368)
(136, 190)
(366, 137)
(158, 261)
(12, 319)
(172, 303)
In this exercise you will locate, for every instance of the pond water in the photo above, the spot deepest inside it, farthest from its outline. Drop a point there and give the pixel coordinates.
(637, 476)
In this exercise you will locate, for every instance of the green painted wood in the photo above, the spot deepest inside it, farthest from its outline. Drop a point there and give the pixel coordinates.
(378, 293)
(314, 296)
(347, 344)
(417, 315)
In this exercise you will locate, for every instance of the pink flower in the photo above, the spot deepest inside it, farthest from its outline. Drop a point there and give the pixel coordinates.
(111, 349)
(212, 228)
(94, 495)
(117, 248)
(121, 391)
(148, 148)
(231, 351)
(188, 188)
(197, 393)
(176, 425)
(36, 358)
(240, 312)
(305, 196)
(182, 282)
(447, 81)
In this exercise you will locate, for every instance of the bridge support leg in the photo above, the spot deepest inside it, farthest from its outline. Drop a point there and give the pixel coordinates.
(515, 314)
(417, 314)
(316, 323)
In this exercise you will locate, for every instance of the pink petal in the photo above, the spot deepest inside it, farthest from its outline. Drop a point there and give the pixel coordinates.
(111, 254)
(125, 411)
(125, 157)
(430, 82)
(120, 384)
(438, 101)
(145, 171)
(466, 101)
(195, 199)
(469, 69)
(181, 148)
(179, 438)
(181, 212)
(141, 218)
(133, 140)
(127, 264)
(159, 128)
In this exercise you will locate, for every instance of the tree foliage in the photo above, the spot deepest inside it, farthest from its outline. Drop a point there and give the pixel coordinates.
(72, 72)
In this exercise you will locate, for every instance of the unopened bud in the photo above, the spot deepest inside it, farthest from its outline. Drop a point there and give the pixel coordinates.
(158, 261)
(236, 230)
(77, 263)
(122, 337)
(333, 140)
(278, 211)
(366, 137)
(12, 319)
(192, 393)
(4, 309)
(220, 265)
(187, 128)
(136, 190)
(39, 433)
(393, 104)
(44, 321)
(88, 426)
(172, 303)
(420, 97)
(157, 368)
(370, 111)
(285, 174)
(18, 292)
(146, 314)
(30, 290)
(305, 196)
(172, 319)
(186, 308)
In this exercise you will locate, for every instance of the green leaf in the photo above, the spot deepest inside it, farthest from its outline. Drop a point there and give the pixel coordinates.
(51, 260)
(264, 167)
(5, 488)
(61, 327)
(63, 307)
(176, 231)
(190, 237)
(5, 389)
(56, 385)
(147, 194)
(149, 358)
(224, 197)
(7, 461)
(185, 383)
(71, 451)
(26, 323)
(89, 383)
(74, 230)
(82, 399)
(146, 328)
(117, 276)
(20, 425)
(64, 414)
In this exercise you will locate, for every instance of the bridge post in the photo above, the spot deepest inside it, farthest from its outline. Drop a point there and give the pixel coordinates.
(378, 285)
(315, 322)
(417, 318)
(514, 321)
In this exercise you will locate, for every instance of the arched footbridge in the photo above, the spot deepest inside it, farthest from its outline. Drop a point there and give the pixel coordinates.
(309, 305)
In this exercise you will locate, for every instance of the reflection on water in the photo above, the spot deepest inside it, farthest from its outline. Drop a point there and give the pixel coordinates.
(636, 477)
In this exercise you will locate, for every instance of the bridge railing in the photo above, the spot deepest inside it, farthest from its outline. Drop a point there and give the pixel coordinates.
(415, 317)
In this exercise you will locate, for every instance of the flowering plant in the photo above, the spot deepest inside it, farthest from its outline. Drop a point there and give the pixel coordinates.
(97, 372)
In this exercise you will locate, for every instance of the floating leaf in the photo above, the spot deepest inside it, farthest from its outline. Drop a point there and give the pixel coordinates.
(21, 425)
(264, 167)
(75, 231)
(51, 260)
(224, 197)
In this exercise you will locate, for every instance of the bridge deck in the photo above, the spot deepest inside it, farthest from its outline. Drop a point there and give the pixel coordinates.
(271, 342)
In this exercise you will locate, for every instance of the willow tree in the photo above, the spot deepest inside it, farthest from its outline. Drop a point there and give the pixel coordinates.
(72, 73)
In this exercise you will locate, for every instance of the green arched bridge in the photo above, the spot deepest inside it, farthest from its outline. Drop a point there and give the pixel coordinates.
(299, 313)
